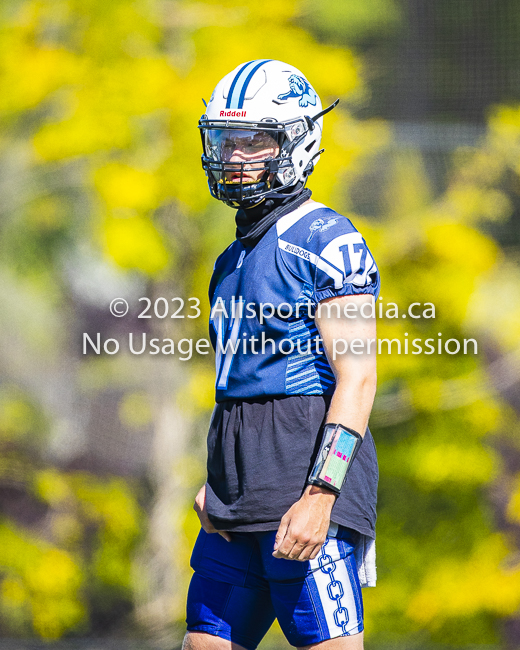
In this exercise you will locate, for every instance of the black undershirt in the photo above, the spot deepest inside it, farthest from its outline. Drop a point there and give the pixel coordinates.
(260, 453)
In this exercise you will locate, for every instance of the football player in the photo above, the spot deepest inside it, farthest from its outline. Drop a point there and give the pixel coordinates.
(285, 534)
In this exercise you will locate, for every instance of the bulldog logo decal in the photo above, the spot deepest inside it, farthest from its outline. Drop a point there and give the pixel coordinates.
(319, 225)
(299, 88)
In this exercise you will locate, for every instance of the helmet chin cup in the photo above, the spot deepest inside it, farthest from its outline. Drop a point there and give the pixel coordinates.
(243, 195)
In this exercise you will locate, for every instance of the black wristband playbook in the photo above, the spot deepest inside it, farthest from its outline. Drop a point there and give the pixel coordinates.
(338, 449)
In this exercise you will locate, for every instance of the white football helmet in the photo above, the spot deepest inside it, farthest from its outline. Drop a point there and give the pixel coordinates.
(269, 112)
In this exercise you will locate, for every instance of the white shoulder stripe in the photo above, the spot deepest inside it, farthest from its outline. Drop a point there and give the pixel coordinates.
(298, 251)
(337, 276)
(290, 219)
(322, 264)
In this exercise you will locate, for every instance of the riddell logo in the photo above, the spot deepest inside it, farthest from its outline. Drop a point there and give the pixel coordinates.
(232, 113)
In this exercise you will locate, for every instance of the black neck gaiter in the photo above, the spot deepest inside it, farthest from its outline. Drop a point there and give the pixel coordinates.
(253, 223)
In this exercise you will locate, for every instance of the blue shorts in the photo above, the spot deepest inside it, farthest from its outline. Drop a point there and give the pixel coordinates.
(239, 588)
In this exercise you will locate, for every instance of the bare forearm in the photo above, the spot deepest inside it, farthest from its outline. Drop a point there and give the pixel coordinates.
(355, 373)
(352, 402)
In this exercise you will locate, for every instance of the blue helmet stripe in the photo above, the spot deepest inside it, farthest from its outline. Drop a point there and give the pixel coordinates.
(235, 82)
(246, 82)
(237, 91)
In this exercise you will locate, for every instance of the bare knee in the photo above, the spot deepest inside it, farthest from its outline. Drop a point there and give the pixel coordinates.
(204, 641)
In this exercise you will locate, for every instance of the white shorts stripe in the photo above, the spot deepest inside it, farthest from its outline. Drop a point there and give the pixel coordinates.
(336, 592)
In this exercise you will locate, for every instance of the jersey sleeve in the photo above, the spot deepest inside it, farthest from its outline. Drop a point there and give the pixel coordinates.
(344, 264)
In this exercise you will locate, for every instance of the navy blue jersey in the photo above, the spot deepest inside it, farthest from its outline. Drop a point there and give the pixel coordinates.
(262, 327)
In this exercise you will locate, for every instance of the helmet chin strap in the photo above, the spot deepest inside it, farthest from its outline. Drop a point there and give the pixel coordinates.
(310, 120)
(325, 111)
(295, 190)
(283, 195)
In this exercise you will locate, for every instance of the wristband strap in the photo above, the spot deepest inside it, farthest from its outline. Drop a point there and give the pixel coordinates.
(339, 446)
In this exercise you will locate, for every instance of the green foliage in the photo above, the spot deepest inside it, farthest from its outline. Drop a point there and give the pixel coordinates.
(108, 508)
(40, 585)
(444, 571)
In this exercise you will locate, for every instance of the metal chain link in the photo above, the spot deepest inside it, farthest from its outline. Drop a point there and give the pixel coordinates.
(334, 589)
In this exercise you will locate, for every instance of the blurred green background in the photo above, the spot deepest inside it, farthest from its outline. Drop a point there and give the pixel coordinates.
(102, 196)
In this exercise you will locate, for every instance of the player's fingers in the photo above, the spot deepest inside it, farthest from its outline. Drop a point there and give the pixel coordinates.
(205, 521)
(303, 545)
(225, 535)
(315, 551)
(297, 550)
(281, 532)
(308, 553)
(200, 499)
(207, 525)
(285, 548)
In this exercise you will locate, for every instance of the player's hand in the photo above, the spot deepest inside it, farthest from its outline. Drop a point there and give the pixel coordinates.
(200, 508)
(304, 526)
